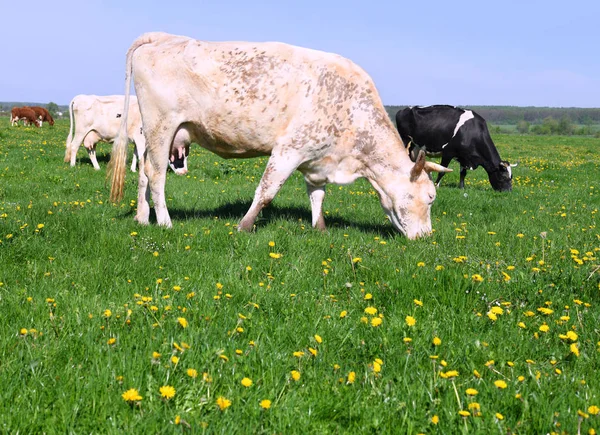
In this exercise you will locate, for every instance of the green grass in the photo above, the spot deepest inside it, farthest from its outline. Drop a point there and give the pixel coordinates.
(90, 256)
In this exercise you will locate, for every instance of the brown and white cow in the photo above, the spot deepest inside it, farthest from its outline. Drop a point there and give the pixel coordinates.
(308, 110)
(25, 114)
(42, 114)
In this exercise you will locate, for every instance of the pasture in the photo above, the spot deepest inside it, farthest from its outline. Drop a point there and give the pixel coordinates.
(488, 326)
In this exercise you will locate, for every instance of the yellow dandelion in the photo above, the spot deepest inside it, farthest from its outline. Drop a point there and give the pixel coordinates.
(368, 297)
(295, 375)
(574, 348)
(246, 382)
(351, 377)
(167, 392)
(464, 413)
(175, 359)
(593, 410)
(318, 339)
(274, 255)
(131, 395)
(500, 384)
(111, 341)
(343, 314)
(371, 311)
(435, 419)
(223, 403)
(544, 328)
(410, 320)
(499, 416)
(418, 302)
(437, 341)
(265, 404)
(183, 322)
(192, 373)
(477, 278)
(471, 392)
(376, 321)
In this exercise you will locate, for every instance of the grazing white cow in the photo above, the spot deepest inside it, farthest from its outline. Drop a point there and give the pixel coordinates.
(308, 110)
(97, 118)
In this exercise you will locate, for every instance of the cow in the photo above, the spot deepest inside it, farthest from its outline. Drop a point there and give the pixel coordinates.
(97, 118)
(43, 115)
(454, 133)
(26, 114)
(308, 110)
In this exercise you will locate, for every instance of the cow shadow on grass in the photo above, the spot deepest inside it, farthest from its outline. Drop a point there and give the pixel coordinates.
(236, 210)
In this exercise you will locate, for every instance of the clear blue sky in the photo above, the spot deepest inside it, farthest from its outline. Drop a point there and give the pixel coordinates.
(524, 53)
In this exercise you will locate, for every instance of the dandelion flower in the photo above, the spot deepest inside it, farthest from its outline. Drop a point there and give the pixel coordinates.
(574, 348)
(418, 302)
(23, 331)
(174, 359)
(192, 373)
(499, 416)
(246, 382)
(544, 328)
(274, 255)
(107, 313)
(410, 320)
(477, 278)
(371, 311)
(318, 339)
(351, 377)
(265, 404)
(343, 314)
(464, 413)
(295, 375)
(183, 322)
(437, 341)
(594, 410)
(223, 403)
(500, 384)
(368, 297)
(471, 392)
(131, 395)
(435, 419)
(376, 321)
(111, 341)
(167, 392)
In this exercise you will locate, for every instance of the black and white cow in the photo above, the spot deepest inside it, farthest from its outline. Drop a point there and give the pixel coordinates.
(455, 133)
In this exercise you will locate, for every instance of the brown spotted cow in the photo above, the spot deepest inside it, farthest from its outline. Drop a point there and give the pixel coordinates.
(43, 115)
(25, 114)
(308, 110)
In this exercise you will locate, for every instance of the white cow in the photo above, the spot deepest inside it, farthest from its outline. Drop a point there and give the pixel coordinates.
(308, 110)
(97, 118)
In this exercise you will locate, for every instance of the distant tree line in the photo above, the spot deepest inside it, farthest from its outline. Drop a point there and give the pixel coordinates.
(535, 120)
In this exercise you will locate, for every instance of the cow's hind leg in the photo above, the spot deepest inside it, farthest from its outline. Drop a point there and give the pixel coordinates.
(445, 162)
(90, 145)
(279, 168)
(74, 146)
(143, 206)
(316, 194)
(156, 160)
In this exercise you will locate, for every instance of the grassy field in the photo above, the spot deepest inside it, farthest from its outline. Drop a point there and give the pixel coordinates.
(488, 326)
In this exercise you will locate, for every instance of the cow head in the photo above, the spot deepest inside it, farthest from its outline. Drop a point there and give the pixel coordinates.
(409, 198)
(501, 179)
(50, 120)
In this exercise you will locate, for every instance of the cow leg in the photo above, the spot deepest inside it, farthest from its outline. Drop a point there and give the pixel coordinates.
(278, 169)
(316, 194)
(445, 162)
(134, 159)
(143, 206)
(155, 167)
(74, 146)
(90, 145)
(463, 174)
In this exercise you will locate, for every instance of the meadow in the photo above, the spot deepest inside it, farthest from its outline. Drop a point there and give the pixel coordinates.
(490, 325)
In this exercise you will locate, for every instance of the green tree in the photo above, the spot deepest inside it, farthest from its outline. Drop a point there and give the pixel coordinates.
(52, 108)
(523, 127)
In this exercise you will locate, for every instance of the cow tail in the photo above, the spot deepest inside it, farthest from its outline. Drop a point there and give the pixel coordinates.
(68, 150)
(116, 167)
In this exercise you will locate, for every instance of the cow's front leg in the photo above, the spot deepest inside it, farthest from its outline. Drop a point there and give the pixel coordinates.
(316, 194)
(463, 174)
(279, 168)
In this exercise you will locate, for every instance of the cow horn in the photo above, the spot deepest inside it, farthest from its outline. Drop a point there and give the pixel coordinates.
(418, 167)
(434, 167)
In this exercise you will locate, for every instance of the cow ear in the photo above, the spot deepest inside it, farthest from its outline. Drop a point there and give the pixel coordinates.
(418, 167)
